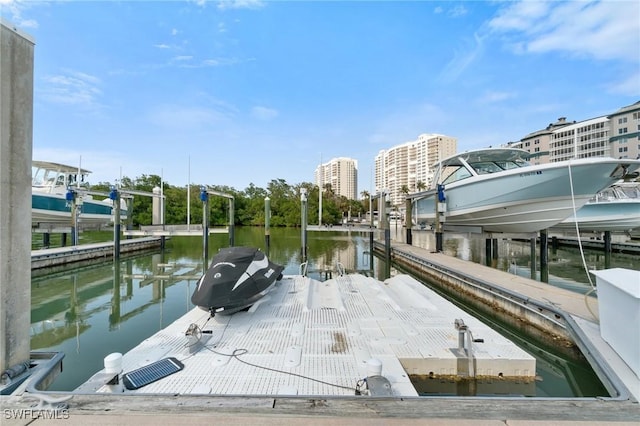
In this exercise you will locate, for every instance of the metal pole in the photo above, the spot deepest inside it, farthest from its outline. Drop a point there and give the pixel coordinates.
(303, 200)
(408, 221)
(71, 197)
(267, 224)
(607, 249)
(232, 224)
(440, 198)
(487, 251)
(115, 196)
(205, 225)
(371, 255)
(544, 263)
(320, 202)
(533, 257)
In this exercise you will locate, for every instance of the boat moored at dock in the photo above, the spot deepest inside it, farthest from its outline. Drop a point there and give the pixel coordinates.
(497, 189)
(52, 187)
(616, 208)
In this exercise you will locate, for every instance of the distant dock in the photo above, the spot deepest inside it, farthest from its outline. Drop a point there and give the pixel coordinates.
(46, 258)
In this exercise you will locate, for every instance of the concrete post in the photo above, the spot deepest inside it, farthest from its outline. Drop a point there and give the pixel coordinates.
(16, 141)
(156, 207)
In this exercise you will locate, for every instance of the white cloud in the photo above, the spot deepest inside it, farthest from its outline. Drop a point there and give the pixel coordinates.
(463, 59)
(456, 11)
(406, 124)
(496, 97)
(240, 4)
(190, 117)
(601, 30)
(15, 8)
(629, 86)
(264, 113)
(72, 88)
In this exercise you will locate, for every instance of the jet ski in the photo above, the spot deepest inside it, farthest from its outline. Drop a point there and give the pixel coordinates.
(237, 278)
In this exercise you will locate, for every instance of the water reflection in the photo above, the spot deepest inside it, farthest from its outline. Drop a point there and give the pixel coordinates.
(88, 312)
(566, 267)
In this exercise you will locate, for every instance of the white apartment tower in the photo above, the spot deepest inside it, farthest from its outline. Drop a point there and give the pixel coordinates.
(624, 132)
(342, 174)
(616, 135)
(589, 138)
(408, 166)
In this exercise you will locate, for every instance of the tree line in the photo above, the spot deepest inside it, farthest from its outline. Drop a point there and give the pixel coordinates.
(249, 204)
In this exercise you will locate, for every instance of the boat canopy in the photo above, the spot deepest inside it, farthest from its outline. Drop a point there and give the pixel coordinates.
(48, 175)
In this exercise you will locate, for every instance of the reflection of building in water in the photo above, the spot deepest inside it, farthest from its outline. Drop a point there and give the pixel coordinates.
(351, 252)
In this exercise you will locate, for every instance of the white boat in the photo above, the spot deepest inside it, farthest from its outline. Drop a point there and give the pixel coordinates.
(616, 208)
(50, 186)
(497, 189)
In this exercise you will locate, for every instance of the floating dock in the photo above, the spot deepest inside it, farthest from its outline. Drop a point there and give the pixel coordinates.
(563, 318)
(308, 337)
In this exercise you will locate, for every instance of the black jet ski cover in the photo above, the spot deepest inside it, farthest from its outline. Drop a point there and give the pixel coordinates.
(236, 279)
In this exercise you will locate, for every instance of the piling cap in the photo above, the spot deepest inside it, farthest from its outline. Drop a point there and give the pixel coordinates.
(113, 363)
(374, 367)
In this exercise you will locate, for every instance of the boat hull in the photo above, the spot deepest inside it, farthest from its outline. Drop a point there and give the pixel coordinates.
(623, 215)
(522, 200)
(55, 209)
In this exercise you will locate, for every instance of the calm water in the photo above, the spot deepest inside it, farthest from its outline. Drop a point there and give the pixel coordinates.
(91, 311)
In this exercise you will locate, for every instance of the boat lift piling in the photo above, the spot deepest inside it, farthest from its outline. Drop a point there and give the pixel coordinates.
(204, 197)
(114, 195)
(532, 250)
(267, 224)
(441, 208)
(408, 221)
(544, 256)
(303, 202)
(231, 213)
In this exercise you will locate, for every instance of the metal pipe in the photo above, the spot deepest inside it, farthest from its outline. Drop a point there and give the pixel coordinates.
(267, 224)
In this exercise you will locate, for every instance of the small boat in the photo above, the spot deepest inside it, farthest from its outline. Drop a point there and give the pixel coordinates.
(497, 189)
(616, 208)
(237, 278)
(50, 186)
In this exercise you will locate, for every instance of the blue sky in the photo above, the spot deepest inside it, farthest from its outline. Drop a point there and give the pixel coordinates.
(240, 92)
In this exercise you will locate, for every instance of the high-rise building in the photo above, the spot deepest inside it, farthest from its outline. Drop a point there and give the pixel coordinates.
(341, 174)
(408, 166)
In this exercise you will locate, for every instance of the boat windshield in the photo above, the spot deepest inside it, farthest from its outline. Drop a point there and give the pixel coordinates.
(452, 174)
(484, 167)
